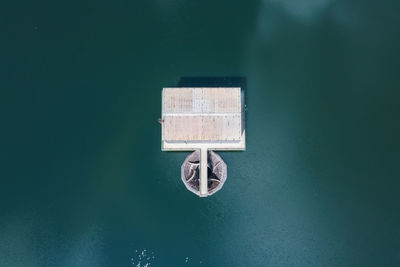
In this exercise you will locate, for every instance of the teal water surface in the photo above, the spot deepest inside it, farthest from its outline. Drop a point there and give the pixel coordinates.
(83, 181)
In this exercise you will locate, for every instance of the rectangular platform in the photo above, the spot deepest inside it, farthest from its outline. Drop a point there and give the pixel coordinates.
(195, 118)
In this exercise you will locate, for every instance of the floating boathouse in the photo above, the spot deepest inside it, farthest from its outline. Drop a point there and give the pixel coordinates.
(203, 120)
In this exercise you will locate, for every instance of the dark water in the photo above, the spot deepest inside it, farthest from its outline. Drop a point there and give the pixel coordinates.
(83, 180)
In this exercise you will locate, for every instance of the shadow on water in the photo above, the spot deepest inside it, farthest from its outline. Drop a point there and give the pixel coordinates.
(213, 81)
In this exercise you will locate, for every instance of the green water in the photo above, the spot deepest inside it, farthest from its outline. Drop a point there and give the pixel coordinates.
(83, 181)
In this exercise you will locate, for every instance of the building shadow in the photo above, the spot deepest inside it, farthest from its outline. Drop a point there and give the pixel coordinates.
(214, 81)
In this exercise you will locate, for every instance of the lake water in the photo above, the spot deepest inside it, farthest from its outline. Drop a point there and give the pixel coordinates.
(83, 181)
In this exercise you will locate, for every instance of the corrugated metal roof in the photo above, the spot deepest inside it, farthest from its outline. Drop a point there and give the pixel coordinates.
(202, 115)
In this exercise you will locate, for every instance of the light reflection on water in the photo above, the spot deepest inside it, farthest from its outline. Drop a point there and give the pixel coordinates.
(145, 258)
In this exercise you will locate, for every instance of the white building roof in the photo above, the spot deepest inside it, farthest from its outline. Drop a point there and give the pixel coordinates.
(199, 117)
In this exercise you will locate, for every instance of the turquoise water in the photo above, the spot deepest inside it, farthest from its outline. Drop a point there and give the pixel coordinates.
(83, 179)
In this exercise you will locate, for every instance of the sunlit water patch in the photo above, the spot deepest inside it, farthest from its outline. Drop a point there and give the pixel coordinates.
(146, 258)
(143, 258)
